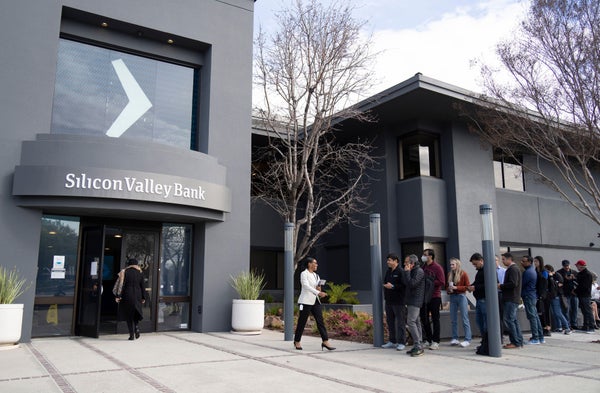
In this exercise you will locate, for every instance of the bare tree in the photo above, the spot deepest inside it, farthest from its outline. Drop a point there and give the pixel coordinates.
(550, 110)
(309, 70)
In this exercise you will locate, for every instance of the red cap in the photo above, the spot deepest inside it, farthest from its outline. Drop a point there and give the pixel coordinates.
(580, 262)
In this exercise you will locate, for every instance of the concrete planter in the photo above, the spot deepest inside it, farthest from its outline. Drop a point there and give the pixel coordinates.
(11, 321)
(247, 316)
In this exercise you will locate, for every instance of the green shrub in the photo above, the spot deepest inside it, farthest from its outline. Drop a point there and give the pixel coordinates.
(248, 284)
(267, 297)
(338, 294)
(11, 285)
(275, 310)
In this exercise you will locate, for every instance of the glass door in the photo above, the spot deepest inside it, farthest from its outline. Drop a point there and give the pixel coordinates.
(90, 292)
(142, 245)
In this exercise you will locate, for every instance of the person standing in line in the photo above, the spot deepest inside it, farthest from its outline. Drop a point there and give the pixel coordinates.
(478, 290)
(529, 296)
(131, 295)
(309, 303)
(543, 303)
(511, 296)
(500, 272)
(561, 323)
(583, 290)
(569, 282)
(395, 309)
(458, 283)
(413, 279)
(432, 308)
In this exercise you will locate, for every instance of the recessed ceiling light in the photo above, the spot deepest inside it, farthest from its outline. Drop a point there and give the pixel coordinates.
(104, 24)
(170, 41)
(52, 233)
(118, 236)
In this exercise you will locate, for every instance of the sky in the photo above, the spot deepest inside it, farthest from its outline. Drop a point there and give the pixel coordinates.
(442, 39)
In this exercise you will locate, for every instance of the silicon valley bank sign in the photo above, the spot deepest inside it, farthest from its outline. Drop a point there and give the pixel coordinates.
(134, 185)
(119, 184)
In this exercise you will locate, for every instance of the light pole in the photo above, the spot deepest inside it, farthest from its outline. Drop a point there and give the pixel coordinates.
(491, 280)
(376, 282)
(288, 282)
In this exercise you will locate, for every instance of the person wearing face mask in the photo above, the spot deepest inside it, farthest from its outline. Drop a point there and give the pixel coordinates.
(430, 312)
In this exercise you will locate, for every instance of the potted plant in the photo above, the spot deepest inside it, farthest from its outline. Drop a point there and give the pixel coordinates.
(248, 312)
(11, 315)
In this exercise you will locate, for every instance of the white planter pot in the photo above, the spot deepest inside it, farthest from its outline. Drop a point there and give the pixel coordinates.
(247, 316)
(11, 321)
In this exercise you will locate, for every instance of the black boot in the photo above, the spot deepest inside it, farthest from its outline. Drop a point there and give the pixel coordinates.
(137, 332)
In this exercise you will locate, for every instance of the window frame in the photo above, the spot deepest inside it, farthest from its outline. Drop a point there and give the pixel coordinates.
(502, 161)
(432, 142)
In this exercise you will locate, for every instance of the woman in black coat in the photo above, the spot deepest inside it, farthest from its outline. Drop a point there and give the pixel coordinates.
(131, 297)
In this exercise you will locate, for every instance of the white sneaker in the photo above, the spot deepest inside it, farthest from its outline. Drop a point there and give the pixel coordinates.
(389, 344)
(465, 344)
(434, 346)
(454, 342)
(400, 347)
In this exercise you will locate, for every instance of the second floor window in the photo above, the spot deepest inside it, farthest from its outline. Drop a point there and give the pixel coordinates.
(418, 155)
(508, 173)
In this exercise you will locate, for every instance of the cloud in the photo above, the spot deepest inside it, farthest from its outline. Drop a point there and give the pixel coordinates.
(445, 48)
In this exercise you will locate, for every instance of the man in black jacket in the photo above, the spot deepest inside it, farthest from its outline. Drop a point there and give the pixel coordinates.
(569, 281)
(583, 290)
(395, 308)
(511, 297)
(478, 289)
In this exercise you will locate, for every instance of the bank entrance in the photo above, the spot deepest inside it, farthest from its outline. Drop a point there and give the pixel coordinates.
(74, 287)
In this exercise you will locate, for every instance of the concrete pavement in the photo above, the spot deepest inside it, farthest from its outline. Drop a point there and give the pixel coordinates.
(225, 362)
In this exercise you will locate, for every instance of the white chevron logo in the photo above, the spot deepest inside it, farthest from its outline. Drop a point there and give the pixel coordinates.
(138, 102)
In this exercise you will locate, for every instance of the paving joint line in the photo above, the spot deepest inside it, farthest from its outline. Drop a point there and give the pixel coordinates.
(272, 363)
(60, 381)
(132, 370)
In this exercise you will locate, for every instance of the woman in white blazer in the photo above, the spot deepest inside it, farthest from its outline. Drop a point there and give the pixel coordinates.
(309, 302)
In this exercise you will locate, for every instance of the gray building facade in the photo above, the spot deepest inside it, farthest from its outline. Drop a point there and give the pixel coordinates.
(117, 122)
(434, 175)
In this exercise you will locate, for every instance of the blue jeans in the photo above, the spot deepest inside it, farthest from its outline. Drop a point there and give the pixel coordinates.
(559, 318)
(459, 302)
(573, 307)
(481, 316)
(532, 315)
(512, 324)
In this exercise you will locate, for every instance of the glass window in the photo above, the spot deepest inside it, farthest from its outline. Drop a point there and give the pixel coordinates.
(51, 320)
(173, 316)
(100, 91)
(57, 270)
(508, 173)
(175, 260)
(58, 241)
(418, 155)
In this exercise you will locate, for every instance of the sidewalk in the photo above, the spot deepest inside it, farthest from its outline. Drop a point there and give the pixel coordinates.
(224, 362)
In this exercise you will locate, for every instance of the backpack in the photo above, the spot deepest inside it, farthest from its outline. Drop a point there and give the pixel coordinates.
(541, 286)
(429, 280)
